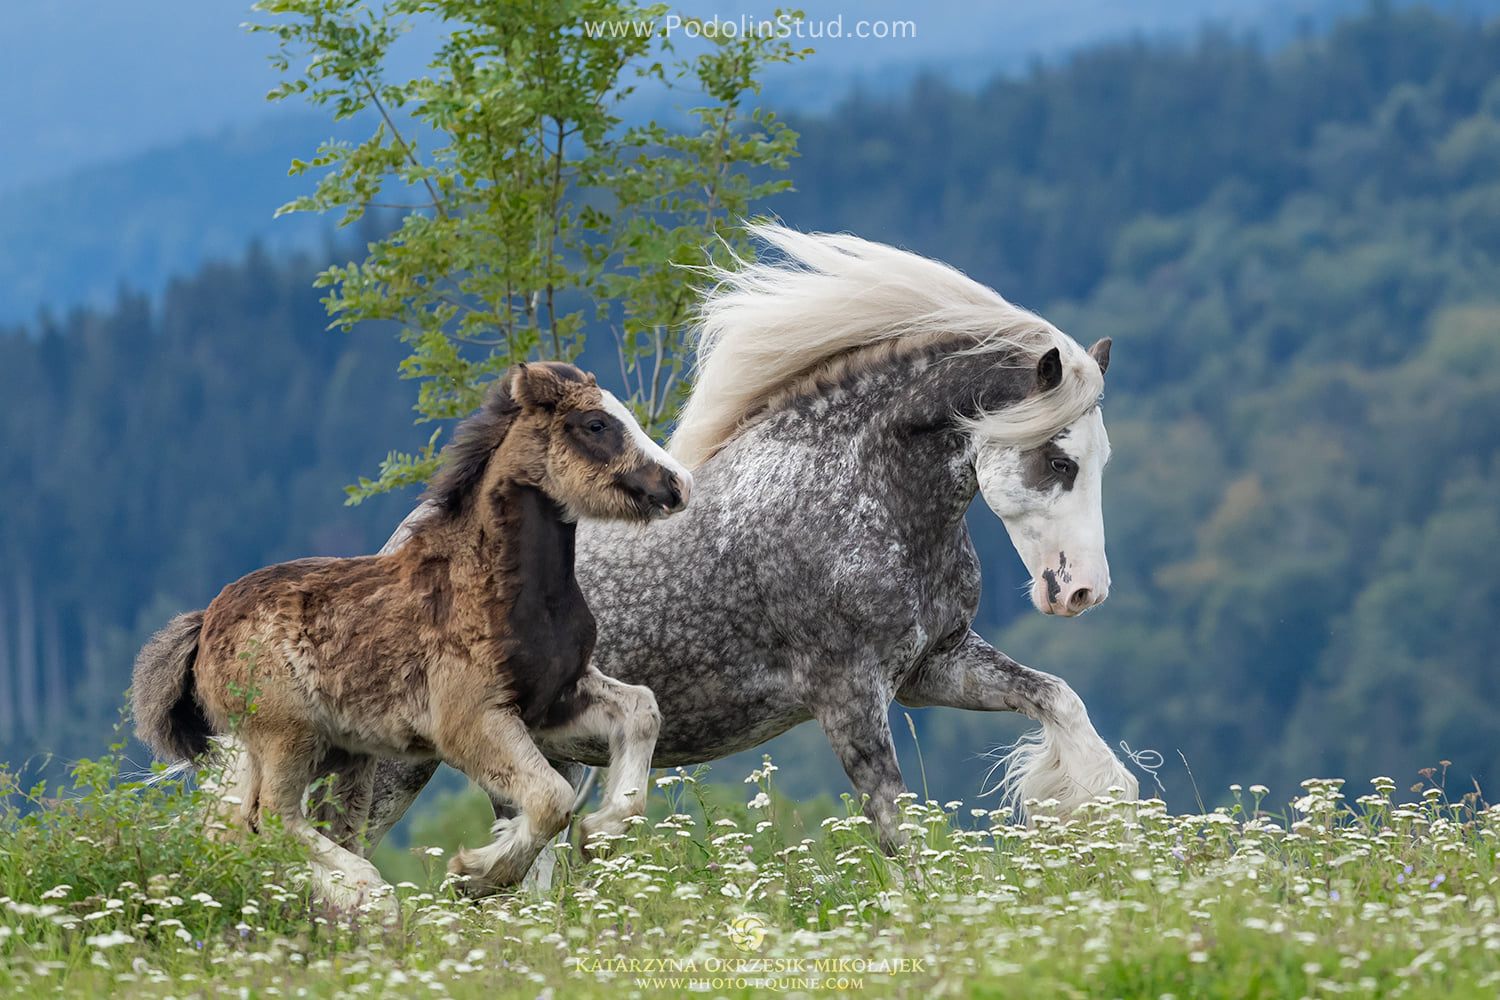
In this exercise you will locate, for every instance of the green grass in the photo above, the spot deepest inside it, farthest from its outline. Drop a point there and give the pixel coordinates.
(111, 890)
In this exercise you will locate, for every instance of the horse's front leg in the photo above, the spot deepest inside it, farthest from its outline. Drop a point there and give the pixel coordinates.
(1067, 762)
(626, 716)
(858, 728)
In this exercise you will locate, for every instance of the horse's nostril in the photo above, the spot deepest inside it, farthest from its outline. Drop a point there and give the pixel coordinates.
(677, 491)
(668, 494)
(1081, 599)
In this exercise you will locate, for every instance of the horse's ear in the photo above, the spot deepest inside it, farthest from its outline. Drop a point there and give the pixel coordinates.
(1049, 371)
(536, 385)
(1100, 353)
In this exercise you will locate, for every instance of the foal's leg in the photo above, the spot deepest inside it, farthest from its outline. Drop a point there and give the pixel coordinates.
(496, 750)
(626, 715)
(858, 729)
(539, 879)
(571, 771)
(234, 780)
(1067, 762)
(287, 765)
(340, 804)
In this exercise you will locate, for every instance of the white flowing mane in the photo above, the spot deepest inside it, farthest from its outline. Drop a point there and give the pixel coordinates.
(770, 331)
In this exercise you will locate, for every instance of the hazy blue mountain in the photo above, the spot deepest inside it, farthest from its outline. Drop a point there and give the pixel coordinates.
(139, 143)
(139, 221)
(92, 81)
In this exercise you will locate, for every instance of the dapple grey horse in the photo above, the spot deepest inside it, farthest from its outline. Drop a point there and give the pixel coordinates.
(851, 399)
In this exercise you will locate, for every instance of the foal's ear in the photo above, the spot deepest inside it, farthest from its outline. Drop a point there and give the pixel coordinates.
(1100, 353)
(1049, 371)
(536, 385)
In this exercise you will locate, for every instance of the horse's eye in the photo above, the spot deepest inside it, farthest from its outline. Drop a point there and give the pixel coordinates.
(1062, 466)
(596, 427)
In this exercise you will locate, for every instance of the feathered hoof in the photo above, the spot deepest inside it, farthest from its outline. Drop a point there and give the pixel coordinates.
(598, 835)
(479, 878)
(364, 895)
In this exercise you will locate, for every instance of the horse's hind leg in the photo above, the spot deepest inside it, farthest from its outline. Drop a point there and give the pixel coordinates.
(858, 729)
(497, 751)
(343, 878)
(626, 715)
(397, 785)
(1068, 762)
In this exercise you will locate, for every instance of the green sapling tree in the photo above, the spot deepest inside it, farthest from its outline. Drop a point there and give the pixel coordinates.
(526, 197)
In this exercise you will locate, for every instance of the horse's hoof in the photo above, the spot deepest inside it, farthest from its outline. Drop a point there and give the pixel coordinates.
(595, 844)
(598, 834)
(383, 906)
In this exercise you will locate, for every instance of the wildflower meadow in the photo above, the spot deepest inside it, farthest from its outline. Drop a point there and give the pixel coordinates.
(118, 888)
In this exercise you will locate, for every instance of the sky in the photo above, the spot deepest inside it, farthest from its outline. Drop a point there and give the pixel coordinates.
(85, 82)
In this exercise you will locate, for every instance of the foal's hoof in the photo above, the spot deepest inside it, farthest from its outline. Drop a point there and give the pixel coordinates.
(479, 880)
(356, 894)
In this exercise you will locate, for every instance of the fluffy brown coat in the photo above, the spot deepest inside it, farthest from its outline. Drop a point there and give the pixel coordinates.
(456, 646)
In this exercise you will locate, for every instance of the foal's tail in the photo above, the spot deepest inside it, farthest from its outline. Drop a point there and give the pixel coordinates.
(168, 717)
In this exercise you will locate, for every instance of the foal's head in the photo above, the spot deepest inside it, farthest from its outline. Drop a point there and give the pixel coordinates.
(550, 425)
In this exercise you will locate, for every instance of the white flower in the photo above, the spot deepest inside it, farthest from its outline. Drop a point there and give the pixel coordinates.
(108, 940)
(760, 801)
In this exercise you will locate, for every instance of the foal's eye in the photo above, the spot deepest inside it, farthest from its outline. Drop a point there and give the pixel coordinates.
(596, 427)
(1063, 466)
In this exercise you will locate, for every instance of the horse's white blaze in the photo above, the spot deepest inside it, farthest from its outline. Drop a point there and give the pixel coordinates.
(1058, 533)
(643, 441)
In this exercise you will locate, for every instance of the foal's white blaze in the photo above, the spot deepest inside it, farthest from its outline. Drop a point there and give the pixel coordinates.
(1058, 533)
(642, 440)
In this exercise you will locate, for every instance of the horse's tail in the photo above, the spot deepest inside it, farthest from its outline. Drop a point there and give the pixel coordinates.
(168, 717)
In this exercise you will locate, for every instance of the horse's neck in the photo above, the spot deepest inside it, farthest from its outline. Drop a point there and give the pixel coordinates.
(900, 423)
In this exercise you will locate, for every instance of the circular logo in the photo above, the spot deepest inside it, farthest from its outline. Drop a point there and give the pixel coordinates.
(747, 932)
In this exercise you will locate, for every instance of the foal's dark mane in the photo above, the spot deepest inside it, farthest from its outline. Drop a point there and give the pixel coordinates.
(466, 458)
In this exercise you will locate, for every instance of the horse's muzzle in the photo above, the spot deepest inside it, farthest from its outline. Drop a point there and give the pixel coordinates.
(662, 491)
(1065, 595)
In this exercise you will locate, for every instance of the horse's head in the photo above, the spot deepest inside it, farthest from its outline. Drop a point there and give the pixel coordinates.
(1049, 499)
(584, 449)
